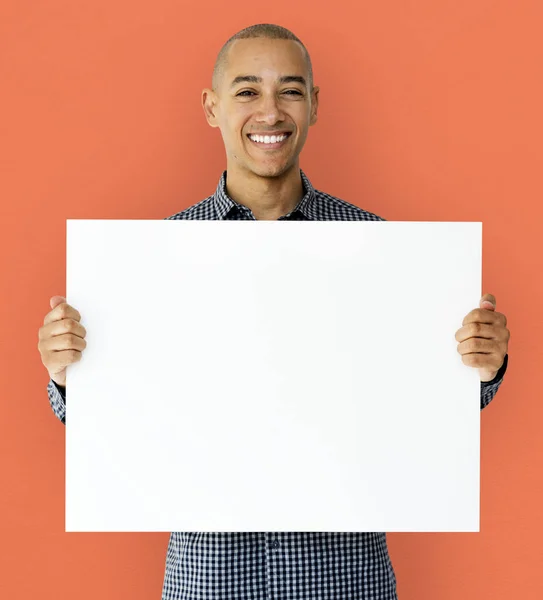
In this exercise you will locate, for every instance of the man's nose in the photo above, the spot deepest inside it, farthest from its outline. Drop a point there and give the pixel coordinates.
(269, 109)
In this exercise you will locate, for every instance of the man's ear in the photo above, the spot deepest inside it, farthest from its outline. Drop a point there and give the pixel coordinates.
(209, 103)
(314, 106)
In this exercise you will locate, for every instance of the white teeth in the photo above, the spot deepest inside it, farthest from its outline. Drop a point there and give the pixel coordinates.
(266, 139)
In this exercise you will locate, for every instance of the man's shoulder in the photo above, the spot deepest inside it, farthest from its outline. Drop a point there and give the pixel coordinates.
(202, 210)
(332, 208)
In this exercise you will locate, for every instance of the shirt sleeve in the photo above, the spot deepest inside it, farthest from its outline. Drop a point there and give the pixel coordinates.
(57, 400)
(489, 388)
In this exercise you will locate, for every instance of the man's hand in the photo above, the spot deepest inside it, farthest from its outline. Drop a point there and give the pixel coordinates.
(61, 339)
(483, 338)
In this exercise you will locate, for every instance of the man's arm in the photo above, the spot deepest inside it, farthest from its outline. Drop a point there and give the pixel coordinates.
(57, 400)
(489, 388)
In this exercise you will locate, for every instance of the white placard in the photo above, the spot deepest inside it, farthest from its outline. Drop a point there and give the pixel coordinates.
(272, 376)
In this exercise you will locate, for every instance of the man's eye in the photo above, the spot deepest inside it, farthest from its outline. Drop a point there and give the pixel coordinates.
(250, 92)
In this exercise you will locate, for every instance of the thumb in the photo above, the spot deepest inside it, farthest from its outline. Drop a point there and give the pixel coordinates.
(488, 301)
(56, 300)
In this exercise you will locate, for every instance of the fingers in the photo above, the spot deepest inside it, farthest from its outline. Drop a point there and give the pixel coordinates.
(58, 361)
(56, 300)
(59, 351)
(477, 345)
(481, 315)
(62, 311)
(61, 338)
(57, 343)
(67, 325)
(482, 330)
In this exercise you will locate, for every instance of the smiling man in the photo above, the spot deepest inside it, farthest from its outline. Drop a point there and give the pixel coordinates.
(263, 101)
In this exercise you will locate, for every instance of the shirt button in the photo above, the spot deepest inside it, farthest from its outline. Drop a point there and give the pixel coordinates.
(275, 544)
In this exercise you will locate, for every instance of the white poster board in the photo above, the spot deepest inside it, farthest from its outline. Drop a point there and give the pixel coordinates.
(272, 376)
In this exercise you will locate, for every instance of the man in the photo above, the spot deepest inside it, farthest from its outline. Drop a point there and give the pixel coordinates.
(263, 101)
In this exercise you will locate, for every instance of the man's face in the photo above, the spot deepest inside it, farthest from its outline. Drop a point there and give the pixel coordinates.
(266, 106)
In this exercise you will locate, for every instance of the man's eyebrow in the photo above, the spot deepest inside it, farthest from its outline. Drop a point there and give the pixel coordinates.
(255, 79)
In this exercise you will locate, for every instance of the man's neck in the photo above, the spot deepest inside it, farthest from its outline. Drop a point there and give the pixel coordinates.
(268, 197)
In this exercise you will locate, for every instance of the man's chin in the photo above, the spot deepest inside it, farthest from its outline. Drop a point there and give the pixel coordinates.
(270, 170)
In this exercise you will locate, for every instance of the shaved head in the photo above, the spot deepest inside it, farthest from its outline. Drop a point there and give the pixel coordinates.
(263, 30)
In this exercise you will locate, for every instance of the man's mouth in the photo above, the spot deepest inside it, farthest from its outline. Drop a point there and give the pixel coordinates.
(269, 142)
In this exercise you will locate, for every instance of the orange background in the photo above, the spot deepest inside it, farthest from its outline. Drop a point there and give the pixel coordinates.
(429, 111)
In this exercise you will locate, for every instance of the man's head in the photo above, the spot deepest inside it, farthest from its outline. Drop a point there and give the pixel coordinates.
(279, 97)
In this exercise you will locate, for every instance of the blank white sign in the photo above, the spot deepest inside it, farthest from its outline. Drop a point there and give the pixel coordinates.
(272, 376)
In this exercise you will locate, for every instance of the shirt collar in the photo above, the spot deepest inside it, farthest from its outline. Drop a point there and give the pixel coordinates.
(224, 204)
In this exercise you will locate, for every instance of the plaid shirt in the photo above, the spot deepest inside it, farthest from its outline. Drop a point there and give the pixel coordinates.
(282, 565)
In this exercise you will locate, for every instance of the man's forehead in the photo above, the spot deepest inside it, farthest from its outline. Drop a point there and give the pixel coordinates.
(262, 60)
(246, 54)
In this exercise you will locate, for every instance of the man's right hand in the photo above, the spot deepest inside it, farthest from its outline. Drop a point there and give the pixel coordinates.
(61, 339)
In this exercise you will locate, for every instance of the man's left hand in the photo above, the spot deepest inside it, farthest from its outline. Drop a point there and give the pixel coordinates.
(483, 338)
